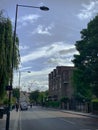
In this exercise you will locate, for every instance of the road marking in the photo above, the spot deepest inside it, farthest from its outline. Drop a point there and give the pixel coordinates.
(16, 122)
(85, 129)
(20, 121)
(70, 122)
(88, 129)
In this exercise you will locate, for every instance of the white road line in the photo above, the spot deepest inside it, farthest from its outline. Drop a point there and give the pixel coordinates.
(85, 129)
(70, 122)
(20, 121)
(88, 129)
(16, 123)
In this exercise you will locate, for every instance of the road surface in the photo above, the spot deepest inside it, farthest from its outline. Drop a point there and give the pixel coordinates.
(37, 118)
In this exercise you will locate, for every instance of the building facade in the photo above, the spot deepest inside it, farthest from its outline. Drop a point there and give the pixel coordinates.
(60, 83)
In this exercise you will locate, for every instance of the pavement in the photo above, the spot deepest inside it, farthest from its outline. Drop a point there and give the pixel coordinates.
(14, 121)
(81, 113)
(65, 111)
(77, 113)
(15, 118)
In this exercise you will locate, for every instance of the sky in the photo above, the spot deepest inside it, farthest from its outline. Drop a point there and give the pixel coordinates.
(46, 38)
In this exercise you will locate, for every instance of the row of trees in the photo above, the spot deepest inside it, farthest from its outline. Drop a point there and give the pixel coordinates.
(38, 97)
(6, 53)
(86, 63)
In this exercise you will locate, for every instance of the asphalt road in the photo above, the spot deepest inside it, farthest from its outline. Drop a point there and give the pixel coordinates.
(37, 118)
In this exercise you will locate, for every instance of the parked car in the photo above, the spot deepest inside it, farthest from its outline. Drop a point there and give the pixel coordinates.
(1, 112)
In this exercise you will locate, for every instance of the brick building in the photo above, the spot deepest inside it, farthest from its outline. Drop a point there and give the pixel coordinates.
(60, 83)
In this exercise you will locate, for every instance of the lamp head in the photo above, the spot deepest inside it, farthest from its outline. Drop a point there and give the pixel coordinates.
(44, 8)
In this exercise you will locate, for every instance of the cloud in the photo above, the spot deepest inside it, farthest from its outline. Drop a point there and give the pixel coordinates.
(62, 54)
(88, 10)
(58, 48)
(34, 80)
(68, 51)
(23, 47)
(25, 20)
(43, 30)
(60, 62)
(34, 55)
(22, 69)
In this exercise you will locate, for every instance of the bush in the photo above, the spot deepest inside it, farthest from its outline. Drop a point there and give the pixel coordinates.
(95, 106)
(54, 104)
(95, 100)
(5, 101)
(64, 99)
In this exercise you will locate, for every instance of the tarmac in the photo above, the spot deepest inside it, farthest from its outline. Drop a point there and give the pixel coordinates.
(15, 117)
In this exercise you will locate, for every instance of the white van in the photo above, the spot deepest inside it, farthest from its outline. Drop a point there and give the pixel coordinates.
(23, 106)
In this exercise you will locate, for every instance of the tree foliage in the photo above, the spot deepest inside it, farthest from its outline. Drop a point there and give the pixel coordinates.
(6, 52)
(34, 96)
(38, 97)
(16, 93)
(64, 99)
(86, 62)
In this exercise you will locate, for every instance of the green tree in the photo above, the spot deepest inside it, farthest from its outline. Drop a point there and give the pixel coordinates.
(64, 99)
(16, 93)
(86, 62)
(38, 97)
(34, 95)
(6, 53)
(42, 96)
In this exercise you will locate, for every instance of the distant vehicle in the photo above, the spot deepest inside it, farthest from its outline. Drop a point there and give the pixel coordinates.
(23, 106)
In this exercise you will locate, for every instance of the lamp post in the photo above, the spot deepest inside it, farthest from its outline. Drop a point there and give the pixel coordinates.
(44, 8)
(20, 78)
(20, 90)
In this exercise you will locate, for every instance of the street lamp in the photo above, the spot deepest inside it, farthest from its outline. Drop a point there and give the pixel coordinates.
(44, 8)
(20, 78)
(20, 90)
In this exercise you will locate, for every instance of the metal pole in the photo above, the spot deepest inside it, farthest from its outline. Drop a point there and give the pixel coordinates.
(13, 51)
(11, 80)
(19, 79)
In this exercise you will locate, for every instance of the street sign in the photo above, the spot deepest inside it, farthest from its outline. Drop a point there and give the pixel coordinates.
(8, 88)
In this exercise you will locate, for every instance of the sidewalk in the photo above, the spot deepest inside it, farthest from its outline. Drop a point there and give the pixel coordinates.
(3, 123)
(75, 112)
(14, 121)
(81, 113)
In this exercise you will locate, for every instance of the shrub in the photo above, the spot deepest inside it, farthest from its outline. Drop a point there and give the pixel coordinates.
(95, 106)
(54, 104)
